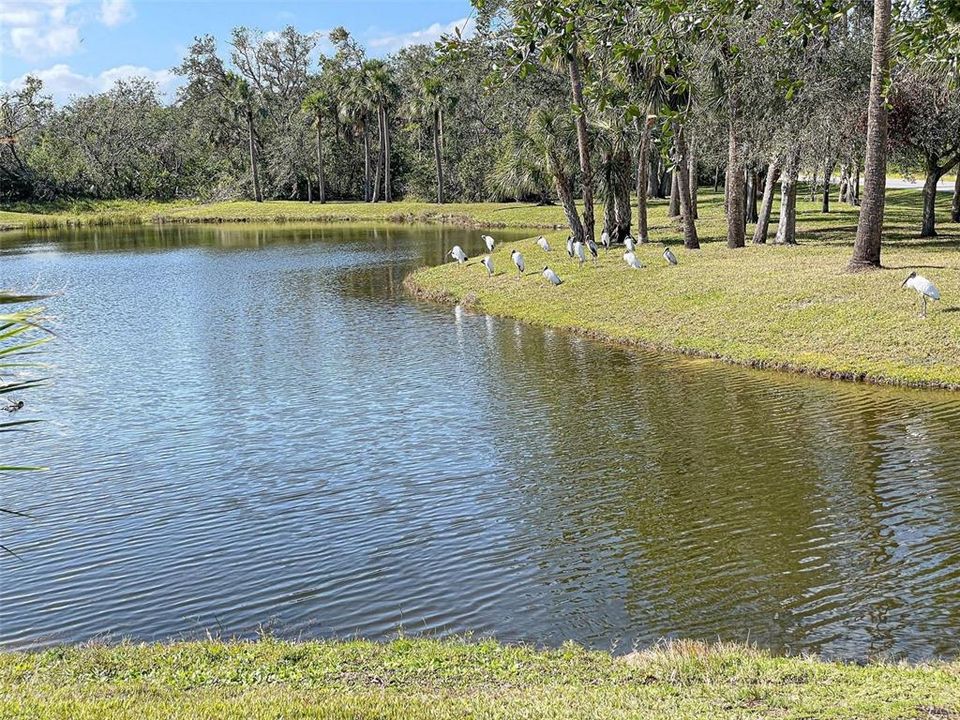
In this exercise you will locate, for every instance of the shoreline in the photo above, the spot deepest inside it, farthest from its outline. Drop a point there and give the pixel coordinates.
(785, 309)
(444, 296)
(114, 213)
(403, 678)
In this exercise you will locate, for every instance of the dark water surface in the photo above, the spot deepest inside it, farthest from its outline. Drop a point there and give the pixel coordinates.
(253, 428)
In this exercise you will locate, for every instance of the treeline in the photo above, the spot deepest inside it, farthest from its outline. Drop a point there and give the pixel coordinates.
(595, 104)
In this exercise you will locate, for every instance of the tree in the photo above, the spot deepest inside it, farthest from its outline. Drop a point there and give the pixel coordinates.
(317, 105)
(241, 99)
(925, 130)
(23, 115)
(866, 249)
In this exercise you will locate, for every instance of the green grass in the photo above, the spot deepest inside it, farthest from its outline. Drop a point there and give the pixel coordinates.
(428, 679)
(791, 308)
(113, 212)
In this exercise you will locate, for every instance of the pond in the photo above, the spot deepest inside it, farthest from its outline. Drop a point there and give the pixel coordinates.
(253, 430)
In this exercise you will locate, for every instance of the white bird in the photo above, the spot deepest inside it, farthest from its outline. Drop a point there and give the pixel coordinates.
(605, 240)
(669, 256)
(924, 288)
(578, 251)
(551, 276)
(630, 243)
(630, 259)
(544, 245)
(458, 254)
(488, 264)
(518, 261)
(489, 242)
(570, 245)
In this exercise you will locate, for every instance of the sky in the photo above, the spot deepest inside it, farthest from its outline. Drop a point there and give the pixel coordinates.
(78, 47)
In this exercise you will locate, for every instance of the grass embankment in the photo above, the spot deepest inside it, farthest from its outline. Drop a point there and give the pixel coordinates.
(427, 679)
(125, 212)
(790, 308)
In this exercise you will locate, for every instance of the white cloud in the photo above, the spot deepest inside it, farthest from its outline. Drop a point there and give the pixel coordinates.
(62, 82)
(427, 36)
(115, 12)
(34, 29)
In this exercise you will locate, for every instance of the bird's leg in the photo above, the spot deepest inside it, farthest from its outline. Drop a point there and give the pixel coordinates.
(924, 305)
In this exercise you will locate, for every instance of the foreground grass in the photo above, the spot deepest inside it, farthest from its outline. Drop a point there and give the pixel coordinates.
(428, 679)
(119, 212)
(790, 308)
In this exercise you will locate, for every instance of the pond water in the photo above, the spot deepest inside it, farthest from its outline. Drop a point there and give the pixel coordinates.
(252, 429)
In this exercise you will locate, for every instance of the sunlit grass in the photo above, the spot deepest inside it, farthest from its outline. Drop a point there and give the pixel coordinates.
(426, 679)
(771, 306)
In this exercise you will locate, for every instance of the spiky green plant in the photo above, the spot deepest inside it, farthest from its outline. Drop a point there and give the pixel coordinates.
(21, 334)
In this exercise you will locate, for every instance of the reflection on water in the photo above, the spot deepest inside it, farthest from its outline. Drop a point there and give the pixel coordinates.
(252, 427)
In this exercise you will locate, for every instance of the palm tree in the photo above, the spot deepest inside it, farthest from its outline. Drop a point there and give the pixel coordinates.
(866, 250)
(427, 105)
(242, 101)
(382, 91)
(547, 131)
(316, 105)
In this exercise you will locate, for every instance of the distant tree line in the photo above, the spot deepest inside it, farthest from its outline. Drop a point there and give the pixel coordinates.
(597, 105)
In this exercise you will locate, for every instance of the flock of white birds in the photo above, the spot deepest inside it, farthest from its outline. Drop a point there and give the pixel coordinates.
(575, 250)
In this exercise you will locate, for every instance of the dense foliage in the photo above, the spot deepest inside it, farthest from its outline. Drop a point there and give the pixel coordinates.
(547, 101)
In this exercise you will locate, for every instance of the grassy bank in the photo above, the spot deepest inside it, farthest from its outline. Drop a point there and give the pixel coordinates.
(119, 212)
(791, 308)
(405, 679)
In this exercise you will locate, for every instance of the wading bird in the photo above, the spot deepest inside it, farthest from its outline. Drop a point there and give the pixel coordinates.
(630, 243)
(551, 276)
(488, 264)
(669, 256)
(458, 254)
(544, 245)
(518, 261)
(570, 245)
(630, 259)
(578, 251)
(605, 240)
(593, 248)
(923, 287)
(489, 242)
(13, 405)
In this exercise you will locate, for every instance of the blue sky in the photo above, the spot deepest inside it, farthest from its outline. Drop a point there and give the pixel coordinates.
(82, 46)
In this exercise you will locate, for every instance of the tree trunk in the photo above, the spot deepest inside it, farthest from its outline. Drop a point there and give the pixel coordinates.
(827, 173)
(690, 240)
(437, 156)
(787, 227)
(844, 187)
(929, 228)
(622, 210)
(735, 191)
(643, 172)
(665, 174)
(766, 207)
(366, 161)
(320, 173)
(376, 172)
(387, 189)
(955, 208)
(866, 249)
(254, 171)
(716, 179)
(694, 180)
(853, 196)
(813, 185)
(309, 191)
(753, 196)
(653, 170)
(583, 144)
(564, 186)
(673, 209)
